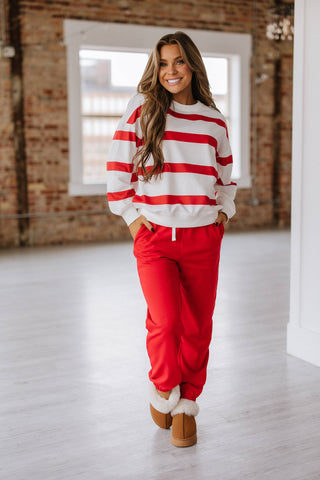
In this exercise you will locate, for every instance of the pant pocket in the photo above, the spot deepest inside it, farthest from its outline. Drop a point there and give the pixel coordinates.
(141, 229)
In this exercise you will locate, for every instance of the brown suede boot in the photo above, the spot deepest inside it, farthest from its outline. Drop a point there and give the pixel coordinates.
(184, 427)
(163, 420)
(161, 404)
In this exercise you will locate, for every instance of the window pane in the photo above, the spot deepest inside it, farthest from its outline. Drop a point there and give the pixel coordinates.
(217, 70)
(97, 137)
(108, 81)
(121, 69)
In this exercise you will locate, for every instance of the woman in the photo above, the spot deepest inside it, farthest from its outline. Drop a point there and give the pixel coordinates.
(169, 176)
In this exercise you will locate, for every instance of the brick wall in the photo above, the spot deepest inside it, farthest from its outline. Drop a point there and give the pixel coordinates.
(65, 219)
(8, 189)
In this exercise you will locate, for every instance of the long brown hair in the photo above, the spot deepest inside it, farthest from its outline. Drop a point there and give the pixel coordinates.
(158, 99)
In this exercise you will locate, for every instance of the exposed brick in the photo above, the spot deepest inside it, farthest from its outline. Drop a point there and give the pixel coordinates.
(46, 116)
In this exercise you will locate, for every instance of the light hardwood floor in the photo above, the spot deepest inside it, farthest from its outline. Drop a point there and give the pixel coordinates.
(73, 371)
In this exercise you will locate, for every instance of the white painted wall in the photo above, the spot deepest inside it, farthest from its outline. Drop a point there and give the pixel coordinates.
(304, 326)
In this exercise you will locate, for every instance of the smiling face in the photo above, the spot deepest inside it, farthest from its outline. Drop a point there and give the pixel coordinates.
(175, 75)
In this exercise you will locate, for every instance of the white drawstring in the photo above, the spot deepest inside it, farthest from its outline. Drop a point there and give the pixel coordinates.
(174, 234)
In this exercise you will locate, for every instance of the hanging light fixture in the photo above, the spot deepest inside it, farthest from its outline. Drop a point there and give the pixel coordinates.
(280, 26)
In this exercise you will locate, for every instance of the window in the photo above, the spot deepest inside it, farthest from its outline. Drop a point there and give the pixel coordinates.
(105, 64)
(108, 81)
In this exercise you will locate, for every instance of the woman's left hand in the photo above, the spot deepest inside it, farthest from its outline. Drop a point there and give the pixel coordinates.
(221, 218)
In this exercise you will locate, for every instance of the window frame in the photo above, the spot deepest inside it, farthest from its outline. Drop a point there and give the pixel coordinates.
(81, 34)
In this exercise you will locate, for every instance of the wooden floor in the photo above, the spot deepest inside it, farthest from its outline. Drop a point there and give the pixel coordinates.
(73, 371)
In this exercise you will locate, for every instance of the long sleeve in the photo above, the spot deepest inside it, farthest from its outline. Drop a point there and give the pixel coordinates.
(225, 188)
(195, 183)
(120, 184)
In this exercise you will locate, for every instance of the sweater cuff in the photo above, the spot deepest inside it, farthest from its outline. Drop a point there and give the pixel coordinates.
(228, 211)
(130, 215)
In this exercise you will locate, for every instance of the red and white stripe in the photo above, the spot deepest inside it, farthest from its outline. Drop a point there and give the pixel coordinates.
(196, 179)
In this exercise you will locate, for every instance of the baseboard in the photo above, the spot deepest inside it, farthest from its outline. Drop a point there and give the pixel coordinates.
(303, 343)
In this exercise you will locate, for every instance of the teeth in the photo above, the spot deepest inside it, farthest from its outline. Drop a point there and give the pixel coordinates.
(172, 82)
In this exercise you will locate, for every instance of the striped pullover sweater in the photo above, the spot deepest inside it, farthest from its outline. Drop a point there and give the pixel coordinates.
(196, 181)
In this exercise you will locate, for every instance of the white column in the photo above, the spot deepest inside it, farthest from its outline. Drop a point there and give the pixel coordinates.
(303, 330)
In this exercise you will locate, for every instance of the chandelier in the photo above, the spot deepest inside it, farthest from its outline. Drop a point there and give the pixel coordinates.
(281, 22)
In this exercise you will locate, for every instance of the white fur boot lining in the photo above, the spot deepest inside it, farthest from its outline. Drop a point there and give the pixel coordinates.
(189, 407)
(161, 404)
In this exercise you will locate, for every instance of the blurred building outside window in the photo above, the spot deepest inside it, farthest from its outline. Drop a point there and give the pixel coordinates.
(105, 62)
(108, 80)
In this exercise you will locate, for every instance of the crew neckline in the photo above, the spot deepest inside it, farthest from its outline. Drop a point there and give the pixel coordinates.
(184, 107)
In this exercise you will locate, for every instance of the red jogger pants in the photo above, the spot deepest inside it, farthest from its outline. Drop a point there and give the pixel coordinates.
(178, 271)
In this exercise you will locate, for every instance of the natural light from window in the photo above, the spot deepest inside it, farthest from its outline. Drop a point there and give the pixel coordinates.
(108, 80)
